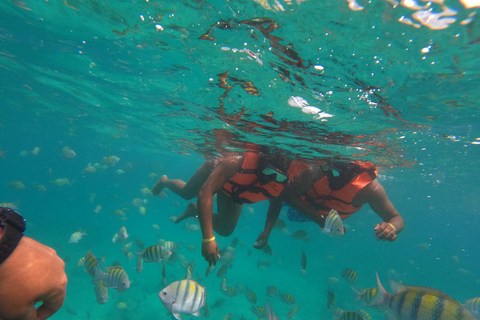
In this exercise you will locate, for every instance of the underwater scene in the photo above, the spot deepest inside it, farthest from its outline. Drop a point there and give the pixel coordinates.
(100, 100)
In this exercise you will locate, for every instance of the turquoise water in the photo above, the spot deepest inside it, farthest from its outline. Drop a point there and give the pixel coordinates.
(146, 81)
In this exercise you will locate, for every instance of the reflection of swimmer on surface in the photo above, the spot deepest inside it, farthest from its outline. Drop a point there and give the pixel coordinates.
(344, 187)
(247, 177)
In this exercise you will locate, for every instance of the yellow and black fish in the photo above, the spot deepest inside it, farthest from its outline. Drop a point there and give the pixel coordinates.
(251, 296)
(101, 292)
(419, 303)
(292, 312)
(230, 292)
(348, 315)
(330, 298)
(115, 277)
(365, 296)
(189, 274)
(91, 263)
(222, 271)
(287, 298)
(350, 275)
(258, 311)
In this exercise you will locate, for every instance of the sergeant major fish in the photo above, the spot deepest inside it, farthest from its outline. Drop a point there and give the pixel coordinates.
(183, 297)
(419, 303)
(154, 253)
(115, 277)
(333, 225)
(76, 236)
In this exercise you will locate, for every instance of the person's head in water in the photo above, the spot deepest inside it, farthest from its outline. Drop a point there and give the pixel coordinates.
(273, 167)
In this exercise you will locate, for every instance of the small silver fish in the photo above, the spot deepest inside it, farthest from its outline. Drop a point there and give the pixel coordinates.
(333, 225)
(76, 236)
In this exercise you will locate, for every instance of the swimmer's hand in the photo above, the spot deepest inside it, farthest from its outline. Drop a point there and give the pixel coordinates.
(262, 240)
(210, 252)
(32, 273)
(385, 231)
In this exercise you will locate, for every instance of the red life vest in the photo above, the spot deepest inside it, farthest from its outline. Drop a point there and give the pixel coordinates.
(244, 186)
(322, 197)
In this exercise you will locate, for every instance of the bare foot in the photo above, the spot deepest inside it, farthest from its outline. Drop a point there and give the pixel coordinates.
(157, 188)
(191, 211)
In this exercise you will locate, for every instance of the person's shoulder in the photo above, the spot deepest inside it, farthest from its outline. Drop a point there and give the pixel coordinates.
(234, 157)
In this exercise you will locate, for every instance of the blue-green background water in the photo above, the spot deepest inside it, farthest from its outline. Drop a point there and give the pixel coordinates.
(133, 79)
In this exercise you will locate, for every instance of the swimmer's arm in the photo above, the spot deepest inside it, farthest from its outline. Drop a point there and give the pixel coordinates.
(272, 214)
(377, 198)
(217, 179)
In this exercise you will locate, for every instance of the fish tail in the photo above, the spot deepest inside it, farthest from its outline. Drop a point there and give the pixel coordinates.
(358, 294)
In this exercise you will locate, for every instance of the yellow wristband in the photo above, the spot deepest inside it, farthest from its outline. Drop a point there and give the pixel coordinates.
(393, 227)
(209, 239)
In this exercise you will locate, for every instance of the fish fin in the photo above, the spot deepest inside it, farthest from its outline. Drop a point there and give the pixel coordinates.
(382, 294)
(196, 314)
(177, 316)
(397, 287)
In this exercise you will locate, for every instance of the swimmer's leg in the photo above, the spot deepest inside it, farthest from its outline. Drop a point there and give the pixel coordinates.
(187, 190)
(191, 211)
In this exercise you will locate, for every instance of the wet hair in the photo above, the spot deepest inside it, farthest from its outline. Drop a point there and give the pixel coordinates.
(275, 159)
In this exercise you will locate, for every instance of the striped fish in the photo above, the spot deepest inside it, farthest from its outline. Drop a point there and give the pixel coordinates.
(365, 314)
(189, 274)
(183, 297)
(350, 275)
(90, 263)
(151, 254)
(170, 246)
(473, 305)
(365, 296)
(333, 225)
(115, 277)
(292, 312)
(251, 296)
(268, 250)
(101, 292)
(419, 303)
(287, 298)
(156, 254)
(348, 315)
(330, 298)
(259, 311)
(222, 271)
(230, 292)
(303, 263)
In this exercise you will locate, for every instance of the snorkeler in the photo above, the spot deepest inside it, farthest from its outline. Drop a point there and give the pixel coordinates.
(247, 177)
(342, 186)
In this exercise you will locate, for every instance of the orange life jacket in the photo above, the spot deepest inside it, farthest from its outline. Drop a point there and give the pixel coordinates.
(244, 186)
(322, 197)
